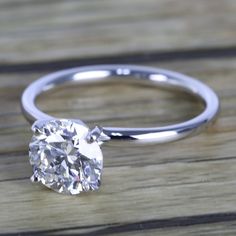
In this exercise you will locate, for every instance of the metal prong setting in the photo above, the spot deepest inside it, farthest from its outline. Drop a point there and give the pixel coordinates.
(37, 125)
(97, 135)
(34, 179)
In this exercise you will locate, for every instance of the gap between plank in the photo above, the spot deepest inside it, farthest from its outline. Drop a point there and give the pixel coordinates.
(185, 221)
(129, 58)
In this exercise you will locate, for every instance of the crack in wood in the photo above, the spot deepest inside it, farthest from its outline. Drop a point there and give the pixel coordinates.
(140, 57)
(185, 221)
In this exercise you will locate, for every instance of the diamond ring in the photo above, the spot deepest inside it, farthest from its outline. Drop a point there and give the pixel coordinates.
(66, 155)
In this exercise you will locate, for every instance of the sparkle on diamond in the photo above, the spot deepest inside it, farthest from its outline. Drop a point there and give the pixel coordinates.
(62, 159)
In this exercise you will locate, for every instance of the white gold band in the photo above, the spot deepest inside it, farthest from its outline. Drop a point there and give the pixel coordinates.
(156, 77)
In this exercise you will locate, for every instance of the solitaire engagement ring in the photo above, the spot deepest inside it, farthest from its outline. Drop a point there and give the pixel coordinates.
(65, 154)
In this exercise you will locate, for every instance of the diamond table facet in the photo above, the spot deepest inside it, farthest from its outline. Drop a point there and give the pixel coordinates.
(62, 157)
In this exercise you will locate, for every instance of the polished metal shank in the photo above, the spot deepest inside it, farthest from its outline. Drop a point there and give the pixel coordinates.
(156, 77)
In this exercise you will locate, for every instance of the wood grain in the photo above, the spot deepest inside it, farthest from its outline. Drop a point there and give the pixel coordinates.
(45, 30)
(192, 177)
(181, 188)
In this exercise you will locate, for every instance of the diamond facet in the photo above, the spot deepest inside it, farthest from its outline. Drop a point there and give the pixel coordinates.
(62, 157)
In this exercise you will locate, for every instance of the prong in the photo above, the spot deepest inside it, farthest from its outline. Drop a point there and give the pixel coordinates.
(34, 179)
(96, 134)
(35, 129)
(38, 124)
(103, 138)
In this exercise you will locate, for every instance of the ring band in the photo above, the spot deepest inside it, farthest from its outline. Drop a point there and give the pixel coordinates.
(47, 129)
(158, 77)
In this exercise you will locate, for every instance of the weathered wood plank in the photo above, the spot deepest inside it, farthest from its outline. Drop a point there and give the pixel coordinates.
(181, 188)
(193, 177)
(46, 30)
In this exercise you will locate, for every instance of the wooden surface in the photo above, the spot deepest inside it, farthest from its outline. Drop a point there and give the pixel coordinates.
(182, 188)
